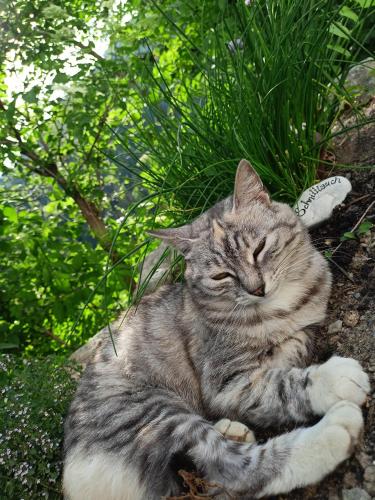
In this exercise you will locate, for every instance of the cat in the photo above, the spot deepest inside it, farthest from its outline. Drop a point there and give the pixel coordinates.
(232, 343)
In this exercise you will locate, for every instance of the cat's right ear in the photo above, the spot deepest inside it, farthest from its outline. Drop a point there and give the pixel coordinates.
(248, 187)
(179, 237)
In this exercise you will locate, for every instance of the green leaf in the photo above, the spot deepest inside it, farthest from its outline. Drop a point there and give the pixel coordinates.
(339, 30)
(365, 227)
(11, 110)
(222, 4)
(10, 213)
(59, 311)
(32, 95)
(340, 50)
(61, 78)
(8, 345)
(348, 236)
(347, 12)
(365, 4)
(52, 207)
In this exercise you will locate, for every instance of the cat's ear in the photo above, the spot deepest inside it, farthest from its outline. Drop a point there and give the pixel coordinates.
(248, 187)
(179, 237)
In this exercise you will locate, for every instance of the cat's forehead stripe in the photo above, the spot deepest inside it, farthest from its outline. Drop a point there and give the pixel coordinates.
(229, 250)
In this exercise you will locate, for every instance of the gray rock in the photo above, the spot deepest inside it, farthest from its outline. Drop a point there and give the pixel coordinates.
(361, 81)
(355, 494)
(351, 318)
(370, 488)
(369, 479)
(355, 145)
(350, 480)
(335, 327)
(369, 474)
(332, 495)
(363, 458)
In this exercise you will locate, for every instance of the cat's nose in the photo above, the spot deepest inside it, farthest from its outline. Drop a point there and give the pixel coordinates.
(259, 292)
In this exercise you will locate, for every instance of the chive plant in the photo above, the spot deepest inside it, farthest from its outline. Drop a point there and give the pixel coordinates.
(268, 90)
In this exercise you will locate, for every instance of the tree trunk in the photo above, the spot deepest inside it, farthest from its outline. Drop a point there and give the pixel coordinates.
(91, 213)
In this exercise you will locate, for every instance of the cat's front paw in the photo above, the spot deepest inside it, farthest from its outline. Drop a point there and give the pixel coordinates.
(235, 431)
(336, 380)
(316, 451)
(347, 415)
(334, 438)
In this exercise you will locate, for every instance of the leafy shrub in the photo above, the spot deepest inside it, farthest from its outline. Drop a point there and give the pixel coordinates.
(35, 396)
(49, 267)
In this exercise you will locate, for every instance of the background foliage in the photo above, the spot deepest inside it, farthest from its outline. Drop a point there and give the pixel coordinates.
(115, 116)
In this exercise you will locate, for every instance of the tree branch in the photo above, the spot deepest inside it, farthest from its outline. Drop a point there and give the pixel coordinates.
(86, 49)
(48, 333)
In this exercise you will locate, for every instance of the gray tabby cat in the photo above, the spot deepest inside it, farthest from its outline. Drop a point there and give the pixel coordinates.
(234, 342)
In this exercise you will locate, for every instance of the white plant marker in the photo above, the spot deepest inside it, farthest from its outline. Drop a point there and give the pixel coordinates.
(316, 204)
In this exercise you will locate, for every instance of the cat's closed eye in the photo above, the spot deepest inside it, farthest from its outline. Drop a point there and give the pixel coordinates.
(222, 276)
(259, 248)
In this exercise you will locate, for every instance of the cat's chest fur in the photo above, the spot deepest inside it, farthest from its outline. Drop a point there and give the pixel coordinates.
(285, 351)
(231, 364)
(196, 362)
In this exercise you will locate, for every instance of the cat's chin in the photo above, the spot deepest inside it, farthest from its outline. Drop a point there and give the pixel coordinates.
(252, 301)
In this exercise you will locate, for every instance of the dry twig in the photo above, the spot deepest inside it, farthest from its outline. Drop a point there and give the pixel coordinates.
(199, 488)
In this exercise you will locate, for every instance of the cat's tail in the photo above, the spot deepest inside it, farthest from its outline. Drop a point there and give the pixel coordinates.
(137, 458)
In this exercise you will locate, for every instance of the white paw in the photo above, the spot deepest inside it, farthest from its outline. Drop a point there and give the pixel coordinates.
(347, 415)
(235, 431)
(338, 433)
(336, 380)
(316, 451)
(332, 440)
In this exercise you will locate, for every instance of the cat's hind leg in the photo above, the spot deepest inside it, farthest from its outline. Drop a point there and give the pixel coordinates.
(100, 476)
(289, 461)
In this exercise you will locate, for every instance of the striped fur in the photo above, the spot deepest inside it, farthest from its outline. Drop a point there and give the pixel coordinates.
(234, 341)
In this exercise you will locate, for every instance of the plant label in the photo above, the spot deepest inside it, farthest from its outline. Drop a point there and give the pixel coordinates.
(316, 204)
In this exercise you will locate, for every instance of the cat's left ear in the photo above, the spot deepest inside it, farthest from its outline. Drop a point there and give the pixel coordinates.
(179, 237)
(248, 187)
